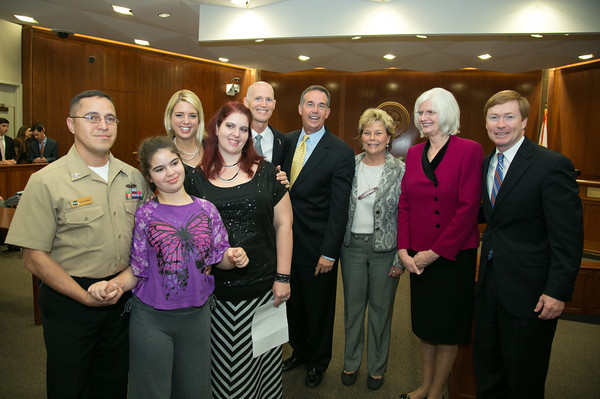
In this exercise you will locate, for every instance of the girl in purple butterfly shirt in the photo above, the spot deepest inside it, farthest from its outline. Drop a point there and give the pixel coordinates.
(176, 240)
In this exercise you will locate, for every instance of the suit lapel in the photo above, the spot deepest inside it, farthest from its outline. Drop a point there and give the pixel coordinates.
(315, 157)
(521, 162)
(287, 165)
(387, 176)
(487, 203)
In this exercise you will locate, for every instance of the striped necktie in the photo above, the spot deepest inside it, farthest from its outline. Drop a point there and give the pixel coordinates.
(498, 177)
(298, 160)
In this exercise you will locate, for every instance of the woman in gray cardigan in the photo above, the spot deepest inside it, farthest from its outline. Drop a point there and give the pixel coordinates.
(369, 259)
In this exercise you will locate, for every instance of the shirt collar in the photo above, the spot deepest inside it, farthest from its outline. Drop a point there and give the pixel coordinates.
(512, 151)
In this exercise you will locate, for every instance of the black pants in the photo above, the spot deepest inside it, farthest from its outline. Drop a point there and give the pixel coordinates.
(87, 348)
(310, 311)
(510, 354)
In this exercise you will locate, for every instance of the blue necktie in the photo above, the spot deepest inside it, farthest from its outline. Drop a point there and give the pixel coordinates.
(498, 177)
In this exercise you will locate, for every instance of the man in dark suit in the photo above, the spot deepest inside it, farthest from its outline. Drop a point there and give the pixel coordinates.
(7, 145)
(270, 142)
(530, 255)
(43, 149)
(320, 167)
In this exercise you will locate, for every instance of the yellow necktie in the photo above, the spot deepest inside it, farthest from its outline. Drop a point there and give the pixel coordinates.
(298, 160)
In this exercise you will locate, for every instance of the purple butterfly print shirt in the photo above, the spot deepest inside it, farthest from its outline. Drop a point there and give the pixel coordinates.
(172, 245)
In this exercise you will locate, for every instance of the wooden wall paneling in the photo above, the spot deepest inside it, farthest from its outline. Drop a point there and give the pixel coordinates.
(591, 224)
(121, 69)
(129, 135)
(27, 72)
(160, 77)
(200, 80)
(64, 71)
(369, 89)
(571, 130)
(140, 81)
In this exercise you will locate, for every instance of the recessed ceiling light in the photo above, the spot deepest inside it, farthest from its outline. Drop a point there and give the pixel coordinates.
(469, 69)
(389, 56)
(422, 36)
(356, 38)
(142, 42)
(537, 36)
(259, 40)
(241, 3)
(122, 10)
(223, 59)
(484, 56)
(164, 15)
(319, 68)
(586, 56)
(25, 18)
(303, 58)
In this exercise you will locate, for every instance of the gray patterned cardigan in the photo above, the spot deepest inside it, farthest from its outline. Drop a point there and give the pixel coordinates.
(385, 209)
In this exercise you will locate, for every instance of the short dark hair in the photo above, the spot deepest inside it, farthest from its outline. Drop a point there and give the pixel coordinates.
(4, 120)
(37, 127)
(151, 146)
(318, 88)
(86, 94)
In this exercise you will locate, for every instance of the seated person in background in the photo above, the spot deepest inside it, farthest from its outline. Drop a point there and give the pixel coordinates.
(22, 142)
(42, 149)
(7, 146)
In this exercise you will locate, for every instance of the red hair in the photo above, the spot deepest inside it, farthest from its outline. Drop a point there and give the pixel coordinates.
(212, 161)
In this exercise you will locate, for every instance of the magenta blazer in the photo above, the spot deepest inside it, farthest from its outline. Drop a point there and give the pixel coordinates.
(442, 218)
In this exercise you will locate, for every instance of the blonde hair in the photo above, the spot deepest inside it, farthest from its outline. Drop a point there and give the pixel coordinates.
(189, 97)
(376, 115)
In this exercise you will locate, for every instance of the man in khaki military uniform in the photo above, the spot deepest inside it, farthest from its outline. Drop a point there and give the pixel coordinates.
(75, 222)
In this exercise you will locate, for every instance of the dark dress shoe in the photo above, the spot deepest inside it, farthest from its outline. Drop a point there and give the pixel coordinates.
(290, 363)
(313, 378)
(374, 384)
(348, 378)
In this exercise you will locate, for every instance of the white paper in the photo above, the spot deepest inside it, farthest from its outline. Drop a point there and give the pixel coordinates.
(269, 328)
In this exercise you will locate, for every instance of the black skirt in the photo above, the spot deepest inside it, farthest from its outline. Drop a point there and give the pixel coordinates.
(442, 299)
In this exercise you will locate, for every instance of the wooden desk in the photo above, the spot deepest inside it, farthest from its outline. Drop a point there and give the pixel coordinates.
(14, 178)
(6, 215)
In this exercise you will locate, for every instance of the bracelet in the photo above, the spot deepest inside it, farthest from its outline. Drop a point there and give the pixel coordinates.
(282, 278)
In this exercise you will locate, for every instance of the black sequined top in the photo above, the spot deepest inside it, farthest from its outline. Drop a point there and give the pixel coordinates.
(247, 211)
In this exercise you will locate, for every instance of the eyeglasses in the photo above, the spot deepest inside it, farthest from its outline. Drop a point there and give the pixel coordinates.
(426, 113)
(96, 118)
(368, 192)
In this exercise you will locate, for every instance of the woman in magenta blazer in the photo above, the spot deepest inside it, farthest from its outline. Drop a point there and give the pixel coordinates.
(438, 236)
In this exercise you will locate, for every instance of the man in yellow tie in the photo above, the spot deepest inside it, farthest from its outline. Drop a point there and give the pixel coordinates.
(321, 169)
